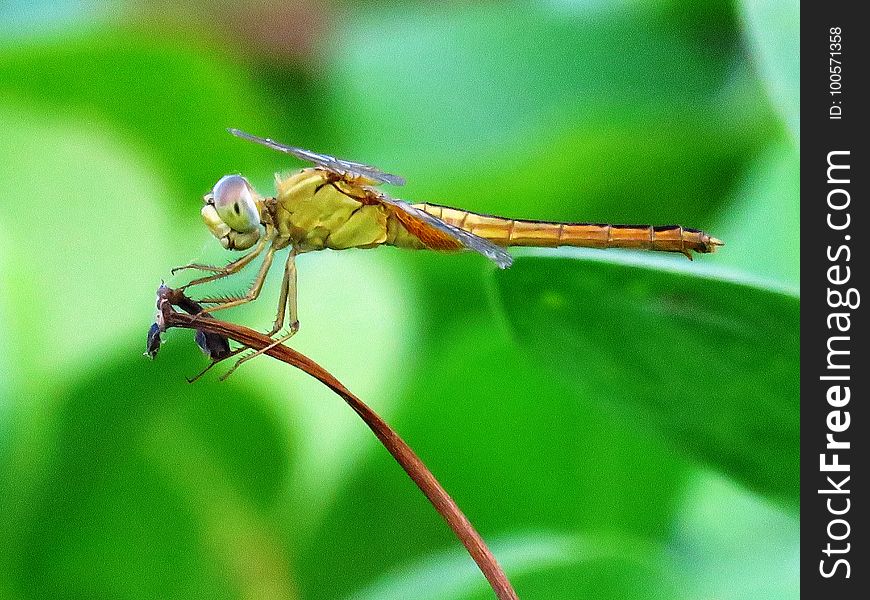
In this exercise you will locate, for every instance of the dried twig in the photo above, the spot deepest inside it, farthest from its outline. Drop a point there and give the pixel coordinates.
(213, 334)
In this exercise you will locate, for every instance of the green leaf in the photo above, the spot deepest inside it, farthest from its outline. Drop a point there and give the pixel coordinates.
(709, 358)
(773, 30)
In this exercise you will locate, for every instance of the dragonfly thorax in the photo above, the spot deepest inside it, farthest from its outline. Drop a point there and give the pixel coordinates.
(232, 213)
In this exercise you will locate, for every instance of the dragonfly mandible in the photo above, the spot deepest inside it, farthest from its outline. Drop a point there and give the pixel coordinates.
(336, 204)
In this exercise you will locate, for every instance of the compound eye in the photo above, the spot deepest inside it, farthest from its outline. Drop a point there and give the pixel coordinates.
(234, 201)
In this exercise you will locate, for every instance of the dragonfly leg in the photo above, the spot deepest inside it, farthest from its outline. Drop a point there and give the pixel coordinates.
(276, 342)
(252, 294)
(229, 269)
(213, 363)
(287, 300)
(286, 306)
(197, 266)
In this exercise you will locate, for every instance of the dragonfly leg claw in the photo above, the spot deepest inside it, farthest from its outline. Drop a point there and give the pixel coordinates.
(293, 330)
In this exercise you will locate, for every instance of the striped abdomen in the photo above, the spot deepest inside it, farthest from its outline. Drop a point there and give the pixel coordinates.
(516, 232)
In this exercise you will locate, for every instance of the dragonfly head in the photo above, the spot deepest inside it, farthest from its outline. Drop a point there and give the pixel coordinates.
(231, 213)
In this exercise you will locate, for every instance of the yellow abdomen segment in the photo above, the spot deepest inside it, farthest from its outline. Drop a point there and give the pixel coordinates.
(516, 232)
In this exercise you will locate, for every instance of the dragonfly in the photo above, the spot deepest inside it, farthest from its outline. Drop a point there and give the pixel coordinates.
(337, 204)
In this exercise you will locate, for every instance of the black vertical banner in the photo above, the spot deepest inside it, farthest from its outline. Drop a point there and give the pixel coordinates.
(835, 362)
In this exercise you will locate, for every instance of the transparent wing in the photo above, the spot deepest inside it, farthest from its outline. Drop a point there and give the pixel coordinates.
(344, 168)
(495, 253)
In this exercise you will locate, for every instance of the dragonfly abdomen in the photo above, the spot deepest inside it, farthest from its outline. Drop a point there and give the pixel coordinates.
(519, 232)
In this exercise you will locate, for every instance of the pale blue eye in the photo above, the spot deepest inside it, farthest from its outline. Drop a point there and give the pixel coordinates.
(234, 202)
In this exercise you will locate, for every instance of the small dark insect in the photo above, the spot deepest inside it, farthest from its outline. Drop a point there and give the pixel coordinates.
(152, 346)
(214, 346)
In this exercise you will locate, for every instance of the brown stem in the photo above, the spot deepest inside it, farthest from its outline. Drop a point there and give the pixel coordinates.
(409, 461)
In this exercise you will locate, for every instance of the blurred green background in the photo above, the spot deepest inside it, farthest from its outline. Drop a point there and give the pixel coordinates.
(616, 425)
